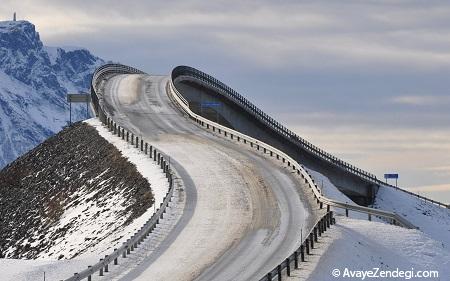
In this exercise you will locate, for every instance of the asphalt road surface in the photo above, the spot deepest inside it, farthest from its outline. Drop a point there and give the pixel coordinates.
(243, 212)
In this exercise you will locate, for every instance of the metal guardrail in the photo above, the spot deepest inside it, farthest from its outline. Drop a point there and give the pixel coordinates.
(189, 73)
(127, 247)
(304, 249)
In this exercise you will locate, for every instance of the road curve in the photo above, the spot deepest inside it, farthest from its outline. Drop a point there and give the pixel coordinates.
(244, 212)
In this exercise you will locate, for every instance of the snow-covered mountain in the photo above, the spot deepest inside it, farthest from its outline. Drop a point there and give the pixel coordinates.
(34, 82)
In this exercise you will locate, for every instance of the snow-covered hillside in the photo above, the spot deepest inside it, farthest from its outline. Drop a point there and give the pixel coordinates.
(82, 207)
(34, 82)
(357, 244)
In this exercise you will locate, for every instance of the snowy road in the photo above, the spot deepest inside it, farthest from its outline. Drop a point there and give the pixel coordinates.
(243, 211)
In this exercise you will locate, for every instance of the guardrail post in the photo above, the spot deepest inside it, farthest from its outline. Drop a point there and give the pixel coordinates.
(370, 217)
(137, 142)
(89, 276)
(331, 218)
(288, 267)
(123, 132)
(302, 252)
(146, 148)
(118, 131)
(278, 157)
(279, 272)
(159, 158)
(311, 240)
(328, 208)
(321, 205)
(100, 273)
(271, 153)
(128, 136)
(257, 147)
(296, 259)
(284, 160)
(315, 233)
(346, 212)
(320, 227)
(245, 141)
(142, 144)
(106, 265)
(269, 276)
(307, 246)
(115, 259)
(225, 133)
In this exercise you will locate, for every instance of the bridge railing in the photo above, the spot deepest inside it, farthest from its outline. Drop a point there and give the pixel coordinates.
(158, 157)
(189, 73)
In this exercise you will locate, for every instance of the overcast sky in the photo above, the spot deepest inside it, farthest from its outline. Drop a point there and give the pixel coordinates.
(366, 80)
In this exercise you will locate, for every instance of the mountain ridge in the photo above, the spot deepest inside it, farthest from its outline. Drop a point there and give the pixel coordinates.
(34, 82)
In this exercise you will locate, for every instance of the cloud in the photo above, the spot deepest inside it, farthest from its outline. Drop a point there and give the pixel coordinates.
(422, 100)
(315, 35)
(431, 188)
(440, 170)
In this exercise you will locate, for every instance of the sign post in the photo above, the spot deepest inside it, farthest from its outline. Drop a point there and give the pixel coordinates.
(77, 98)
(391, 176)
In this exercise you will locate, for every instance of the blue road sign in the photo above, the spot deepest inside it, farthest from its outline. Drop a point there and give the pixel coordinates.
(391, 176)
(210, 104)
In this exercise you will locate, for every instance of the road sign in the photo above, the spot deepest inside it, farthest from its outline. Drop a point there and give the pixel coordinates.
(78, 98)
(210, 104)
(391, 176)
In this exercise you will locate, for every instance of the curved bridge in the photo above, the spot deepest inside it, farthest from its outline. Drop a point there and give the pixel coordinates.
(243, 213)
(248, 198)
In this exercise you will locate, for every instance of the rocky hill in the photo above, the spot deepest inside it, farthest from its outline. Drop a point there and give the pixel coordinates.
(34, 82)
(69, 193)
